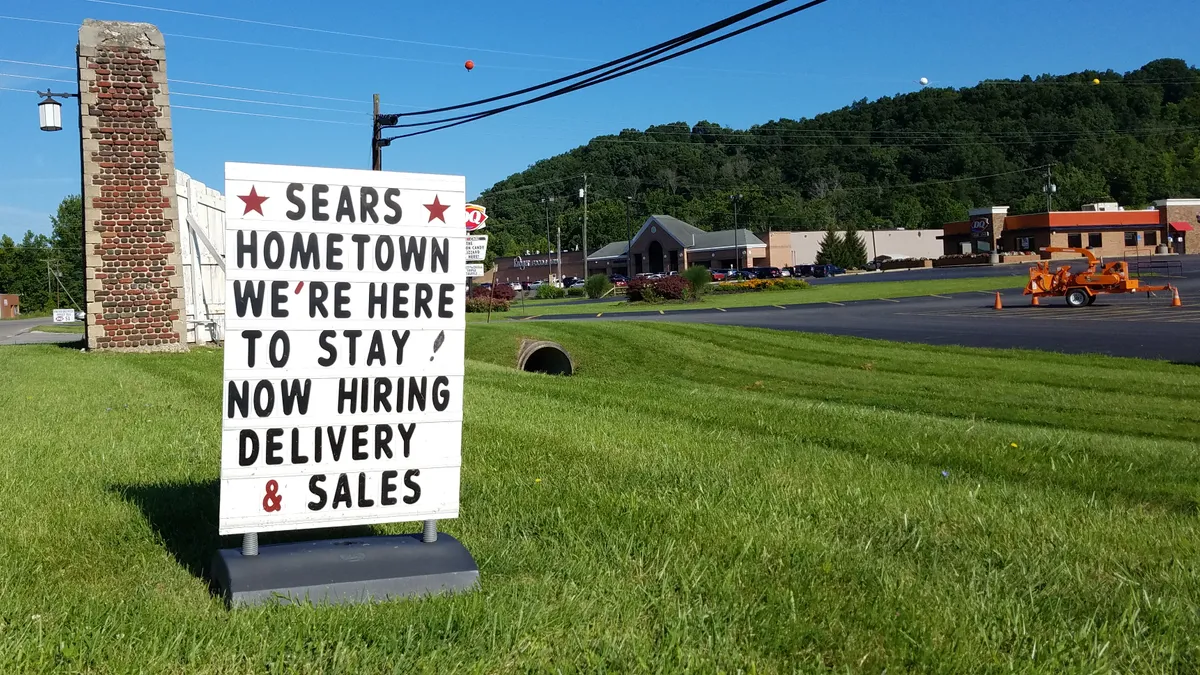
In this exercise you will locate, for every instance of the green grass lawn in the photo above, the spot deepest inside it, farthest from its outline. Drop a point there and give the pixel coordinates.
(697, 497)
(60, 328)
(823, 293)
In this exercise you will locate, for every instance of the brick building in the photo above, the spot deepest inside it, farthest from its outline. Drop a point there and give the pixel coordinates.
(1106, 228)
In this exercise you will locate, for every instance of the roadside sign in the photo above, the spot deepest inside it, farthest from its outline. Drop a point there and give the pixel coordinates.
(63, 315)
(476, 247)
(475, 269)
(344, 359)
(476, 217)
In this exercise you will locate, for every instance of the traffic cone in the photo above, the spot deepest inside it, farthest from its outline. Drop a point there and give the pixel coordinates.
(998, 305)
(1175, 298)
(1034, 302)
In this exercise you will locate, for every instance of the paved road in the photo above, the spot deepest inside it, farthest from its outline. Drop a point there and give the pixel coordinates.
(1125, 325)
(17, 332)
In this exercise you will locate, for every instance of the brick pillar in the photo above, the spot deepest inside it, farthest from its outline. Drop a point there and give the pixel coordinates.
(131, 216)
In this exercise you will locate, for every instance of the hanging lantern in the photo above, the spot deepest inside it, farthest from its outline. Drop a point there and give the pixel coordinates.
(50, 114)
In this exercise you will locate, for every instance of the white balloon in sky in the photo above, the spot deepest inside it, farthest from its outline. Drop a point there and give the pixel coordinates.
(924, 81)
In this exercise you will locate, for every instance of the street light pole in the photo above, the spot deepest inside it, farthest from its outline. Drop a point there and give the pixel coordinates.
(737, 251)
(628, 255)
(583, 193)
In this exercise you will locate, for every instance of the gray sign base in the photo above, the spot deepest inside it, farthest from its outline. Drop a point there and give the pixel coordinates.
(359, 569)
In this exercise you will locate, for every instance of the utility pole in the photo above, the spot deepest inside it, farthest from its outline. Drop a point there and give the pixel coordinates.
(628, 255)
(549, 270)
(737, 251)
(559, 247)
(376, 133)
(1050, 188)
(583, 193)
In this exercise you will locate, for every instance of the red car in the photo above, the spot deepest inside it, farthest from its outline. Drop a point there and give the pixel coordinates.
(717, 275)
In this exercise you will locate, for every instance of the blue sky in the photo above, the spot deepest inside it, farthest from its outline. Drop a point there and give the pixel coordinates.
(819, 60)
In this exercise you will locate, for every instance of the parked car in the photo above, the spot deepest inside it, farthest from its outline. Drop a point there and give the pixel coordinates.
(568, 282)
(785, 271)
(516, 286)
(534, 285)
(766, 272)
(717, 275)
(821, 271)
(619, 280)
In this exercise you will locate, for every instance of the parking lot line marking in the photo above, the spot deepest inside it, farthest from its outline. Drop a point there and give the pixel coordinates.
(889, 300)
(718, 309)
(839, 304)
(661, 312)
(944, 297)
(600, 315)
(528, 318)
(779, 306)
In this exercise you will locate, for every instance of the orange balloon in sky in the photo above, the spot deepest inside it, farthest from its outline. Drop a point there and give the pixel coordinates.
(470, 65)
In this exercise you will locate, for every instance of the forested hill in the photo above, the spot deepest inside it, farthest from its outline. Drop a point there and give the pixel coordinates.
(919, 159)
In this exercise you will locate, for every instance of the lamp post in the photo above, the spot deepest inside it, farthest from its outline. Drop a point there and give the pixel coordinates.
(50, 111)
(628, 256)
(737, 251)
(547, 201)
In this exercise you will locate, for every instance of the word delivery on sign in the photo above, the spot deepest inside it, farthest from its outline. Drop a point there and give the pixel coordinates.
(344, 357)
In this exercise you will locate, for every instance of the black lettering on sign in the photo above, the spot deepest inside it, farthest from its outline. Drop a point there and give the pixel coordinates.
(332, 251)
(297, 458)
(347, 394)
(244, 249)
(305, 255)
(279, 299)
(294, 396)
(441, 395)
(375, 355)
(273, 250)
(406, 434)
(383, 389)
(441, 253)
(274, 446)
(319, 202)
(248, 293)
(445, 299)
(421, 302)
(280, 342)
(416, 393)
(377, 300)
(399, 299)
(296, 200)
(358, 440)
(341, 299)
(263, 404)
(318, 293)
(352, 336)
(389, 198)
(412, 485)
(369, 198)
(361, 240)
(385, 253)
(388, 487)
(400, 341)
(238, 399)
(342, 492)
(247, 447)
(330, 351)
(336, 442)
(383, 440)
(345, 210)
(250, 336)
(314, 486)
(412, 253)
(363, 502)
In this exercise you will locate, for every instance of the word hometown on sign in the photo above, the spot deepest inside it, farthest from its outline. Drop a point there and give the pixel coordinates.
(344, 357)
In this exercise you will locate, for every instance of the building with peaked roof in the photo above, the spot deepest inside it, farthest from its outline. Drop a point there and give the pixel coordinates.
(1106, 228)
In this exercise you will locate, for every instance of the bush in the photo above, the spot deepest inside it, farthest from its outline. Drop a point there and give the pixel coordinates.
(597, 286)
(549, 292)
(576, 292)
(476, 305)
(755, 285)
(499, 291)
(699, 280)
(653, 290)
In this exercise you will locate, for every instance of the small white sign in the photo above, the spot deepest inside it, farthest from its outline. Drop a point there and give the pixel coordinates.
(476, 247)
(344, 353)
(63, 315)
(475, 270)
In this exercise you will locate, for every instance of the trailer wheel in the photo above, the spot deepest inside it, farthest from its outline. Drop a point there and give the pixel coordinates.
(1077, 298)
(1092, 299)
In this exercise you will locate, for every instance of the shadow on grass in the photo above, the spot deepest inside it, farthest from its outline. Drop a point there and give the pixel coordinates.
(74, 345)
(184, 516)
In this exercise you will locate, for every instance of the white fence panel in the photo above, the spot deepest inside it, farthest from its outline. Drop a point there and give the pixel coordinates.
(202, 235)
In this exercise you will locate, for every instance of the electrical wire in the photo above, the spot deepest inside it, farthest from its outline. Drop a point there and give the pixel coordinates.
(254, 114)
(325, 31)
(609, 75)
(644, 53)
(40, 65)
(366, 114)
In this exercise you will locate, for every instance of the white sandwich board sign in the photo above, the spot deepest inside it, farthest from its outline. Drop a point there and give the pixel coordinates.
(476, 247)
(344, 362)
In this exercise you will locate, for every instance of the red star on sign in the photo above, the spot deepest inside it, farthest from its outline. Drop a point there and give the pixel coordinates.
(253, 202)
(437, 210)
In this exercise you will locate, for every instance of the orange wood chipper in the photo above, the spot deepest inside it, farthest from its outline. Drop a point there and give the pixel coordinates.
(1081, 289)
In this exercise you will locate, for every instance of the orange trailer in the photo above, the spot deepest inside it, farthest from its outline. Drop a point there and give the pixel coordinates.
(1081, 289)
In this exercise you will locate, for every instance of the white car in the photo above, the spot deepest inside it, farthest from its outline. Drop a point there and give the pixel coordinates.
(516, 285)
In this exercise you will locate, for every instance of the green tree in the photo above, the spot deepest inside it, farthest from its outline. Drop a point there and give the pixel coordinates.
(853, 250)
(67, 241)
(830, 252)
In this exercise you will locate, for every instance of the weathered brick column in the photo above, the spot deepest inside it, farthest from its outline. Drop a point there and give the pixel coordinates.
(131, 216)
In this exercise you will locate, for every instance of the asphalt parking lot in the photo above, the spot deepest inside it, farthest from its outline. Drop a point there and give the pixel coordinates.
(1131, 325)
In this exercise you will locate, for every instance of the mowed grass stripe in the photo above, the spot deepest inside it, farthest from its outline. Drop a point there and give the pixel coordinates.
(710, 498)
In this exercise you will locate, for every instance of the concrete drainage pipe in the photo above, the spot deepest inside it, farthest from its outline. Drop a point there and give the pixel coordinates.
(544, 357)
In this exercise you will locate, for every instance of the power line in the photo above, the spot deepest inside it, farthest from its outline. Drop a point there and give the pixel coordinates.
(336, 32)
(621, 71)
(254, 114)
(40, 65)
(364, 113)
